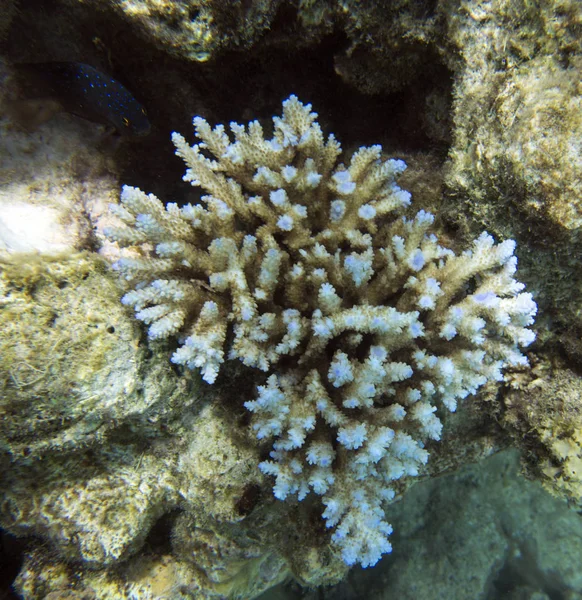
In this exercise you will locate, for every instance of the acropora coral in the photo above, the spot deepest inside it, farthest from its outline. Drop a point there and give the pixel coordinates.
(305, 268)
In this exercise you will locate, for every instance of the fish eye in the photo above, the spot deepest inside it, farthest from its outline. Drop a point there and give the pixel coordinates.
(126, 121)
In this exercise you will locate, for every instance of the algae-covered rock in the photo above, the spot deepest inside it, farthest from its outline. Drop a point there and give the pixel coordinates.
(216, 467)
(544, 413)
(101, 438)
(389, 43)
(73, 376)
(197, 29)
(97, 514)
(524, 150)
(124, 516)
(72, 365)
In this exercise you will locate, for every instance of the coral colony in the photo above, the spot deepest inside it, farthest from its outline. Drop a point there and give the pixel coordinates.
(295, 256)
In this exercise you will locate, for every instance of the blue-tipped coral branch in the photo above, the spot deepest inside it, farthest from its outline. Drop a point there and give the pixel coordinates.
(293, 255)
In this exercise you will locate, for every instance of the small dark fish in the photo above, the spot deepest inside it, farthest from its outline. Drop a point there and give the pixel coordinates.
(85, 92)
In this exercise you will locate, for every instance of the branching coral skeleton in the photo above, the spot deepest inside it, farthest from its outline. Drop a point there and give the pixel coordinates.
(294, 255)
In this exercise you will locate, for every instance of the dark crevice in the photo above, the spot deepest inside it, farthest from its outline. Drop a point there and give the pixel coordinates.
(159, 538)
(11, 559)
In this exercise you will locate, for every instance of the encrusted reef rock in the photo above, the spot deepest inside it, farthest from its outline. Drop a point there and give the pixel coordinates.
(389, 43)
(74, 374)
(198, 29)
(79, 365)
(544, 409)
(528, 147)
(98, 514)
(517, 111)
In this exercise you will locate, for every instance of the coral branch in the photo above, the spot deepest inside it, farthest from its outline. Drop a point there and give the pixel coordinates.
(294, 255)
